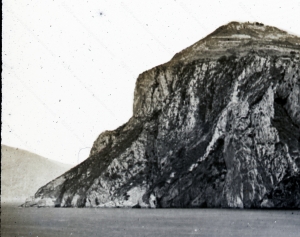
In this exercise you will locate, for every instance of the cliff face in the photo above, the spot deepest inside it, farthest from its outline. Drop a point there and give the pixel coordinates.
(217, 126)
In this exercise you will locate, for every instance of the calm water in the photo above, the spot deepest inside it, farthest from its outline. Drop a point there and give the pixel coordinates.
(146, 222)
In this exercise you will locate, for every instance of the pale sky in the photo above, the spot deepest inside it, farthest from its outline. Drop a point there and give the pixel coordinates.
(69, 67)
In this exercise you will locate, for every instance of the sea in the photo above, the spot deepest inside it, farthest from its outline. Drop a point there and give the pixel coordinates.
(80, 222)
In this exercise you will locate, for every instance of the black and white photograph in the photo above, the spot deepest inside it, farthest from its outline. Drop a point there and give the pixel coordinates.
(150, 118)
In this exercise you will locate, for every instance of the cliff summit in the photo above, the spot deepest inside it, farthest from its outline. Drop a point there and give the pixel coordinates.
(217, 126)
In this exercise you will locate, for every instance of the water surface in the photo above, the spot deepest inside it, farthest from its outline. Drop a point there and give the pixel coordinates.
(146, 222)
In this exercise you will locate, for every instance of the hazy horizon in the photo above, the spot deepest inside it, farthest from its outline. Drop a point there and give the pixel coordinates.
(24, 150)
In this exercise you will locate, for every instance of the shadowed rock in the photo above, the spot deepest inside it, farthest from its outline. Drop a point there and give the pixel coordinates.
(217, 126)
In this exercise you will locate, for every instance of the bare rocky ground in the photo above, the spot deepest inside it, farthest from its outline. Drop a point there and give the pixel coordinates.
(216, 126)
(54, 222)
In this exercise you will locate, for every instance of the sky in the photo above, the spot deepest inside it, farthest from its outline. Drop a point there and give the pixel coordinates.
(69, 67)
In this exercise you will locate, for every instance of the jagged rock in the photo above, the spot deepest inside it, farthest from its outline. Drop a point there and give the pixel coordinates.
(217, 126)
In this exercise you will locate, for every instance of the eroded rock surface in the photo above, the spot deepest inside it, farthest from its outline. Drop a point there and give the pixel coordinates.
(217, 126)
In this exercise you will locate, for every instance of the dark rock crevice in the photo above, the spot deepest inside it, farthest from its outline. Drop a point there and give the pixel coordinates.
(217, 126)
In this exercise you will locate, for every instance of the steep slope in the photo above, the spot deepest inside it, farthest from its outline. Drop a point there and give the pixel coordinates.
(217, 126)
(23, 172)
(240, 38)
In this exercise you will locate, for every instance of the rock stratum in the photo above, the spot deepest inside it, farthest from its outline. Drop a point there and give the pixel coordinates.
(216, 126)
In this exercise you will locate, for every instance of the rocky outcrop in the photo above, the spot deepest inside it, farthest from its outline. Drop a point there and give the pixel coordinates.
(217, 126)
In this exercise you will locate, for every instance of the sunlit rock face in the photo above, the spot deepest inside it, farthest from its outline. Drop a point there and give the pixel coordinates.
(217, 126)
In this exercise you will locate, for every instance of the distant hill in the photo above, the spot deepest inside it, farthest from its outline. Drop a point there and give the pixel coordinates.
(23, 172)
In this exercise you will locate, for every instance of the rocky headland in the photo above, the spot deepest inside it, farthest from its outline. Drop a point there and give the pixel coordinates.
(216, 126)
